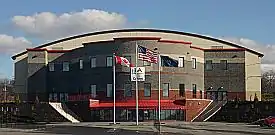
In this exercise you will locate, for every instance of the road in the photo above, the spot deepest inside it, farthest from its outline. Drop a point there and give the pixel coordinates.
(175, 128)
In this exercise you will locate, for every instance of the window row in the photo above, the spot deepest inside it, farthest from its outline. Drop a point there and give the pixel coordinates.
(209, 65)
(130, 115)
(147, 90)
(66, 64)
(62, 97)
(109, 63)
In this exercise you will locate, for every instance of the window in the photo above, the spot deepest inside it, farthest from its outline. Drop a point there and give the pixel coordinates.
(109, 61)
(146, 63)
(128, 90)
(147, 89)
(51, 67)
(194, 88)
(80, 90)
(182, 90)
(208, 65)
(165, 89)
(61, 97)
(80, 64)
(181, 61)
(66, 96)
(66, 66)
(50, 96)
(223, 64)
(109, 90)
(93, 62)
(93, 90)
(194, 63)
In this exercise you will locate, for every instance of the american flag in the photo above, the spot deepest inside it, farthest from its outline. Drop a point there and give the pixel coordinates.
(147, 55)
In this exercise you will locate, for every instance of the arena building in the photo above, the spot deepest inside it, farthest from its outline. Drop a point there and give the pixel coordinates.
(79, 68)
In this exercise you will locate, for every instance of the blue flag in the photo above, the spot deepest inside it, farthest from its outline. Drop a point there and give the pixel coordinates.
(169, 62)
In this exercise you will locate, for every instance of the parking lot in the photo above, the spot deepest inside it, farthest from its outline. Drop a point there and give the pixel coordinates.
(176, 128)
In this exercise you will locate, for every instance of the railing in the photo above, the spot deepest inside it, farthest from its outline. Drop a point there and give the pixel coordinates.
(59, 108)
(66, 109)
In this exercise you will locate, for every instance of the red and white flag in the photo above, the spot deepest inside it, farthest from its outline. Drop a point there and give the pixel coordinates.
(123, 61)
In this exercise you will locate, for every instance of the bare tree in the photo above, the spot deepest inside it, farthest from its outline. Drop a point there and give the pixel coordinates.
(268, 79)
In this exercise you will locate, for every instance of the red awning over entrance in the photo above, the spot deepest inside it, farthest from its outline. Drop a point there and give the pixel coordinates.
(131, 104)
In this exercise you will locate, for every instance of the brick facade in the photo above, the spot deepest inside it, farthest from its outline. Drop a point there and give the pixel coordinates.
(37, 81)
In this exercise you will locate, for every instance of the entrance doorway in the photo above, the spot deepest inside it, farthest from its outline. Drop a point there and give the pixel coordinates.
(216, 95)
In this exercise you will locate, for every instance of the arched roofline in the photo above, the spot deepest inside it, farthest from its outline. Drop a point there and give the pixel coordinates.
(143, 30)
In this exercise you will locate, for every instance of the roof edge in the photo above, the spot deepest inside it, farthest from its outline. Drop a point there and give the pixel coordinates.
(143, 30)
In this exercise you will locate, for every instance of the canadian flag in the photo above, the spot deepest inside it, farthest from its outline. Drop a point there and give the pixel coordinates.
(123, 61)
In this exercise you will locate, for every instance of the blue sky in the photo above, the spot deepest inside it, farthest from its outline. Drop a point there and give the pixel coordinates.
(251, 20)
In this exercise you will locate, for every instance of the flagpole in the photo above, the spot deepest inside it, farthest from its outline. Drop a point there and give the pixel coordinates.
(136, 85)
(159, 62)
(114, 86)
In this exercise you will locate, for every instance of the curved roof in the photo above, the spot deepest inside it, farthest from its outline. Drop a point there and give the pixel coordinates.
(144, 30)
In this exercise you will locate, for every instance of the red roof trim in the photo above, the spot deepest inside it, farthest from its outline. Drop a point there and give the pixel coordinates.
(49, 51)
(36, 49)
(198, 48)
(139, 38)
(175, 42)
(143, 104)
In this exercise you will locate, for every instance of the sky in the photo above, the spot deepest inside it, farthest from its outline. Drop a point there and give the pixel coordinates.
(28, 23)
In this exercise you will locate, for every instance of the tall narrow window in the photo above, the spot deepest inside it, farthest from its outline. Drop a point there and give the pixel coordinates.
(194, 63)
(66, 66)
(208, 65)
(181, 61)
(147, 89)
(194, 88)
(109, 90)
(51, 67)
(182, 90)
(165, 89)
(223, 64)
(128, 89)
(109, 61)
(80, 64)
(93, 90)
(93, 62)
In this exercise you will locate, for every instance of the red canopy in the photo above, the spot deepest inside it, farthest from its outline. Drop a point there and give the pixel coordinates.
(131, 104)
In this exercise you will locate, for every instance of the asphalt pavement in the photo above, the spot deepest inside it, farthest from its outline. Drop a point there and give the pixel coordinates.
(172, 128)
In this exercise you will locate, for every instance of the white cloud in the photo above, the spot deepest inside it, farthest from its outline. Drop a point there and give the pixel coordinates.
(268, 61)
(10, 45)
(49, 25)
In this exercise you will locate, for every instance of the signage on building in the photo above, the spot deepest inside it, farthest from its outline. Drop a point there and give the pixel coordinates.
(138, 73)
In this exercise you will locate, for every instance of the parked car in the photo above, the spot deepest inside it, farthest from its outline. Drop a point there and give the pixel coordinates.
(269, 121)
